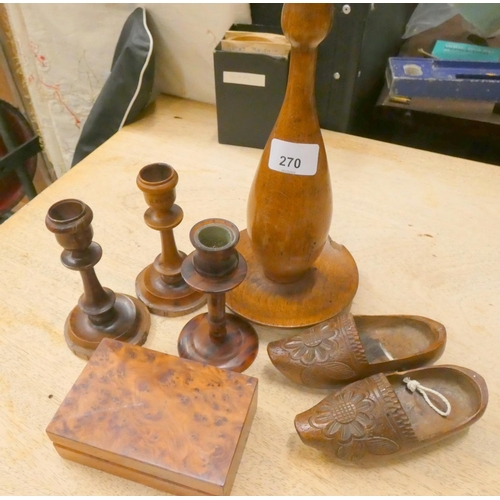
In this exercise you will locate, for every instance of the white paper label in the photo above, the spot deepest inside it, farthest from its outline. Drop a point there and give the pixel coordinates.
(253, 79)
(293, 158)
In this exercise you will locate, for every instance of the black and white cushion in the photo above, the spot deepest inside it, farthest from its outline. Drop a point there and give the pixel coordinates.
(126, 91)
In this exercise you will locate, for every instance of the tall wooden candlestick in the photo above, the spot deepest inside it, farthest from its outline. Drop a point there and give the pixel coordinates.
(297, 276)
(100, 312)
(215, 267)
(160, 285)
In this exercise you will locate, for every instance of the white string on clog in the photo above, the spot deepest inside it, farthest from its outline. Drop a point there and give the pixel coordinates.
(414, 385)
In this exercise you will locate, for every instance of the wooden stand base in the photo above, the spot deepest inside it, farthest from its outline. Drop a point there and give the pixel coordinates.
(132, 316)
(166, 300)
(236, 351)
(325, 290)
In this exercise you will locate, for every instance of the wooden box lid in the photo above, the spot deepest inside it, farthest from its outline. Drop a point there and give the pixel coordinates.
(163, 421)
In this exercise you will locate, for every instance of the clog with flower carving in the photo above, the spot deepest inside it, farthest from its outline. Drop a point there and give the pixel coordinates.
(383, 415)
(347, 348)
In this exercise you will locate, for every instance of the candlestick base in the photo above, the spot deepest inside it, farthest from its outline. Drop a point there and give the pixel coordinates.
(327, 289)
(164, 299)
(130, 324)
(235, 351)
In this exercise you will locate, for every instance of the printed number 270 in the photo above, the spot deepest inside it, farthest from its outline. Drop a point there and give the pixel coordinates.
(291, 161)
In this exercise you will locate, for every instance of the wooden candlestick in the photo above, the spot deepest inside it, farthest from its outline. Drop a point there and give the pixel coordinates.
(297, 276)
(215, 267)
(160, 285)
(100, 312)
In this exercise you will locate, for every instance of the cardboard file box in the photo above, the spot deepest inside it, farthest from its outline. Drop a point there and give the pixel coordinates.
(249, 92)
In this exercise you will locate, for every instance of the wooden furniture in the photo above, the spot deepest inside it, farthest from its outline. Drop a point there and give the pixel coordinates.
(296, 275)
(100, 312)
(19, 147)
(215, 267)
(422, 227)
(460, 128)
(160, 285)
(163, 421)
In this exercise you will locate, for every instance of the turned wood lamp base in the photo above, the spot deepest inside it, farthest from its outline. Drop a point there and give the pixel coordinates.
(297, 276)
(327, 289)
(131, 325)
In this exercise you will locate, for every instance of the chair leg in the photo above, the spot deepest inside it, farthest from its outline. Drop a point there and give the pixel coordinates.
(26, 181)
(5, 215)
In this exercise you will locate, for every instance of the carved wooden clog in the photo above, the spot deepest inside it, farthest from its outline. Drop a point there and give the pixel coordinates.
(347, 348)
(380, 415)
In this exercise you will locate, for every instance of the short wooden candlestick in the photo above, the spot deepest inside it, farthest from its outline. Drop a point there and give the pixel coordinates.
(160, 285)
(100, 312)
(215, 267)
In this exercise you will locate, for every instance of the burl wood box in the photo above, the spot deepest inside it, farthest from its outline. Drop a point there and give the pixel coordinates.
(166, 422)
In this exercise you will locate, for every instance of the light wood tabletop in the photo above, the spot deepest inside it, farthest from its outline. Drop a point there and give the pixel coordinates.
(423, 228)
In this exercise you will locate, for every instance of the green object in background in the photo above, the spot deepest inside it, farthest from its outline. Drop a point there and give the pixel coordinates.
(454, 51)
(485, 17)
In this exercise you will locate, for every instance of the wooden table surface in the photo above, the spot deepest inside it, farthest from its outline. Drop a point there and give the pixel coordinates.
(424, 230)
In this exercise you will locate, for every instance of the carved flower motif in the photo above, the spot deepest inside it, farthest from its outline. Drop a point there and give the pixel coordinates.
(346, 415)
(313, 346)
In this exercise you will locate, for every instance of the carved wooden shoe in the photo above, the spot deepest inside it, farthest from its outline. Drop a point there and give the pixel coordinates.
(347, 348)
(394, 414)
